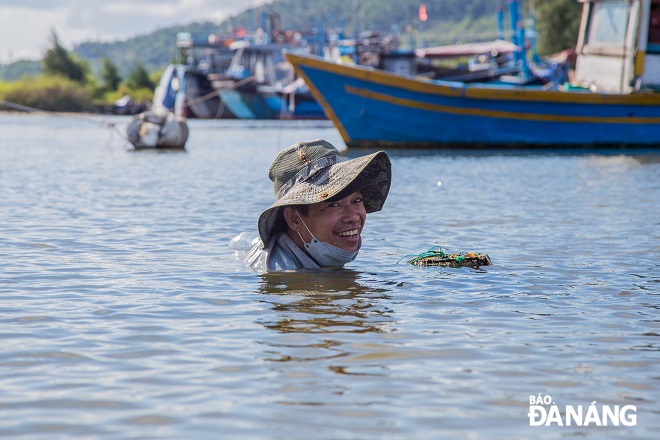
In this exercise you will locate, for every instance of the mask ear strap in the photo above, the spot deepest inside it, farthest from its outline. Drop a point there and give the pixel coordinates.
(304, 224)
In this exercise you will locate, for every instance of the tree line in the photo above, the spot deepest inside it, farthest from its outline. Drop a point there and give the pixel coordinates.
(448, 21)
(66, 83)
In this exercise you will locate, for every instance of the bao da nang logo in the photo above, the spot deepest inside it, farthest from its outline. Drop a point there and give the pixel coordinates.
(544, 412)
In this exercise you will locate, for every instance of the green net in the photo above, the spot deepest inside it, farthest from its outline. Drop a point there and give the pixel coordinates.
(437, 257)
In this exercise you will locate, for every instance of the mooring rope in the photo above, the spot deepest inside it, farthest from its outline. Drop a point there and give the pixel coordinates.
(105, 124)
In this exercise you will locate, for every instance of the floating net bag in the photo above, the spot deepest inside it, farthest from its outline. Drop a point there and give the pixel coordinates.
(437, 257)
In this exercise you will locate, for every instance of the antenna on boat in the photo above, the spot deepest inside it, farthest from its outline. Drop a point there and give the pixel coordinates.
(500, 21)
(513, 15)
(423, 16)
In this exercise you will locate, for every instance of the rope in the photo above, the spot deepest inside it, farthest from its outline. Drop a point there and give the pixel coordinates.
(435, 251)
(105, 124)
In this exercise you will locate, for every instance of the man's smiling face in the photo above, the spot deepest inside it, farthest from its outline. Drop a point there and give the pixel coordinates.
(339, 222)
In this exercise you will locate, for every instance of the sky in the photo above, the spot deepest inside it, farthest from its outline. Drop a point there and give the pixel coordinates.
(26, 25)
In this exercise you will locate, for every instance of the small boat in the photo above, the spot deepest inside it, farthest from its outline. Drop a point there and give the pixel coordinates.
(157, 130)
(190, 89)
(614, 99)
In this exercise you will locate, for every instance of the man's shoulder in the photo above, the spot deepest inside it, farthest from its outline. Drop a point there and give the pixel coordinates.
(284, 254)
(280, 253)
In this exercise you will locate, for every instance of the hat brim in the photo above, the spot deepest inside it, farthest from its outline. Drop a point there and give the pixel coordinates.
(373, 171)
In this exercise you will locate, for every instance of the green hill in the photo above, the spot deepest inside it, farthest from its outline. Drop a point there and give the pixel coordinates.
(154, 51)
(18, 69)
(460, 19)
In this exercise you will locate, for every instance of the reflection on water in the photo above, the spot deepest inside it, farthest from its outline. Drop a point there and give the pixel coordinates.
(325, 301)
(147, 151)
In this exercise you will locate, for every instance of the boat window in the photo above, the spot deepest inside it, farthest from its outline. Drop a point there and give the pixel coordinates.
(608, 24)
(259, 70)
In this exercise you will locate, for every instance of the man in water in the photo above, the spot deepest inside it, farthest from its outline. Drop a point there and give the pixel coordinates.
(321, 203)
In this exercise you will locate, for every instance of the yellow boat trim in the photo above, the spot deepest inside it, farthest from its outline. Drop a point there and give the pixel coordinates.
(329, 112)
(411, 103)
(639, 63)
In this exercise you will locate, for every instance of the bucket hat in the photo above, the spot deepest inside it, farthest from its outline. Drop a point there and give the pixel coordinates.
(315, 171)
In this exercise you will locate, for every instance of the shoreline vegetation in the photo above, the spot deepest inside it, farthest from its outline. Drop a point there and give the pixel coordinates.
(66, 84)
(58, 93)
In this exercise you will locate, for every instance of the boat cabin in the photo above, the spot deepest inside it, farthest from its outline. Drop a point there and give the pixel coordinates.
(264, 61)
(618, 47)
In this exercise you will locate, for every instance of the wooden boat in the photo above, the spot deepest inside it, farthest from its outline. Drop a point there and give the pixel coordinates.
(613, 101)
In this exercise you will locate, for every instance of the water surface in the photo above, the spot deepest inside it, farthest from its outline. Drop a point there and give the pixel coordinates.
(124, 314)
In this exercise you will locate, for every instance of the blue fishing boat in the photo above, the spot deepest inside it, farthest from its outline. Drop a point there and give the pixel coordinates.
(614, 99)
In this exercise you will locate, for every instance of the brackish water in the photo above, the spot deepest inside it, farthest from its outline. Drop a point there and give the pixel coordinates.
(124, 314)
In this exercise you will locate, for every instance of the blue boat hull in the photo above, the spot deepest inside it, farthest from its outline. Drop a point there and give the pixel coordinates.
(248, 103)
(373, 108)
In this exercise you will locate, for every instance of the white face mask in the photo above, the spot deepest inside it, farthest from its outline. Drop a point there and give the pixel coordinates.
(325, 254)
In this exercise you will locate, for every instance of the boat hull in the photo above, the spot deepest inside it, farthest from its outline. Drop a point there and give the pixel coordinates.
(373, 108)
(252, 103)
(151, 130)
(185, 92)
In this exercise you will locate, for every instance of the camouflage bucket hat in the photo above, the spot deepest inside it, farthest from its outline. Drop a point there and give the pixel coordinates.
(314, 171)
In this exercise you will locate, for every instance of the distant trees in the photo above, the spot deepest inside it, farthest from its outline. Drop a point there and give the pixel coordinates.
(66, 84)
(557, 24)
(139, 78)
(109, 75)
(449, 21)
(19, 69)
(52, 93)
(58, 61)
(362, 15)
